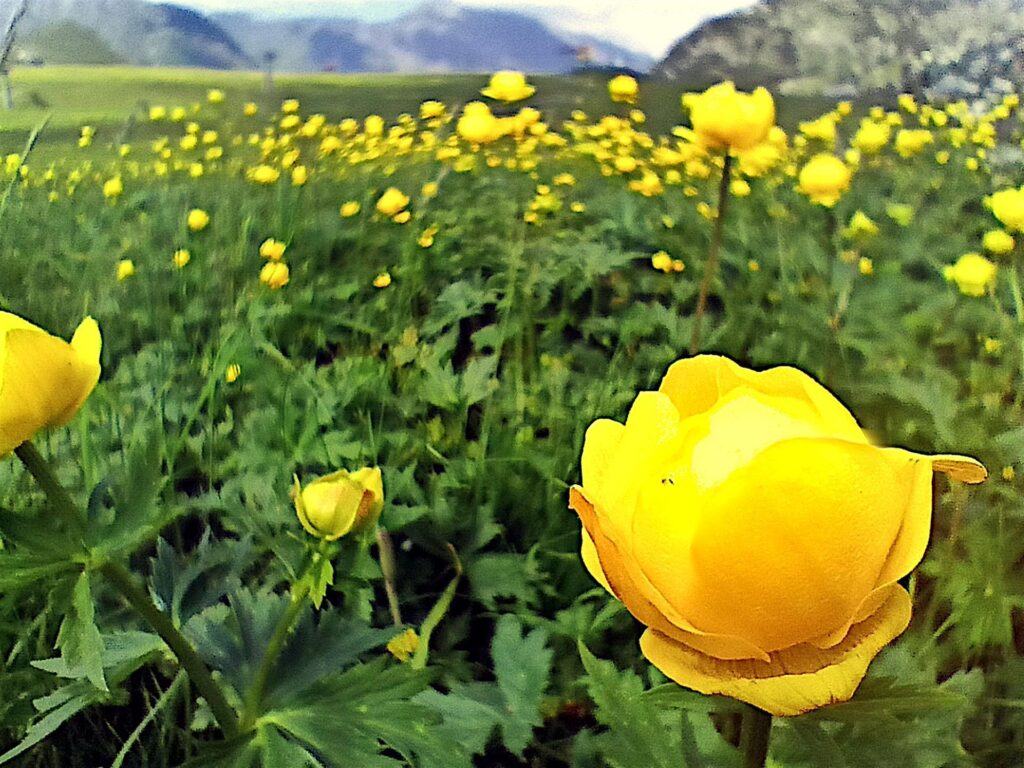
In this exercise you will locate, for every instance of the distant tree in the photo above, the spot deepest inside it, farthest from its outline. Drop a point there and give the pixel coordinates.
(5, 53)
(269, 57)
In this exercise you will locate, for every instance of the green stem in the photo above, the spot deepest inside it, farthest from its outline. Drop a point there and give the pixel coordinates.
(389, 568)
(711, 267)
(196, 668)
(754, 735)
(254, 695)
(56, 494)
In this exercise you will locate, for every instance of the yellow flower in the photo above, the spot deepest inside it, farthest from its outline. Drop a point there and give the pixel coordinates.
(477, 124)
(339, 503)
(998, 241)
(1008, 206)
(274, 275)
(157, 113)
(349, 209)
(404, 645)
(623, 89)
(300, 174)
(188, 141)
(43, 379)
(662, 261)
(625, 164)
(125, 269)
(508, 86)
(973, 274)
(724, 118)
(910, 142)
(249, 109)
(197, 219)
(871, 137)
(215, 95)
(824, 179)
(860, 226)
(264, 174)
(290, 106)
(648, 185)
(993, 346)
(112, 188)
(383, 280)
(739, 188)
(178, 114)
(429, 190)
(180, 258)
(272, 249)
(232, 372)
(392, 202)
(431, 109)
(866, 266)
(747, 520)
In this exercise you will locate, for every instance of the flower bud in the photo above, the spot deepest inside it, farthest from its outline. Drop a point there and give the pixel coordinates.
(340, 503)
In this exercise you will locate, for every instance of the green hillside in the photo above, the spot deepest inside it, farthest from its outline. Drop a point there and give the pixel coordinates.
(65, 42)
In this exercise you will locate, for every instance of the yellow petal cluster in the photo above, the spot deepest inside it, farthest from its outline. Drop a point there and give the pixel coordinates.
(508, 86)
(973, 274)
(724, 118)
(623, 89)
(43, 379)
(745, 518)
(1008, 206)
(341, 502)
(392, 202)
(824, 179)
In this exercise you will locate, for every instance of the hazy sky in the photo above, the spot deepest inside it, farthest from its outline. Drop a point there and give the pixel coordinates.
(644, 25)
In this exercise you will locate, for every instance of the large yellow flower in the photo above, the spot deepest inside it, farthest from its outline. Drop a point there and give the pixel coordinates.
(43, 380)
(724, 118)
(333, 505)
(746, 519)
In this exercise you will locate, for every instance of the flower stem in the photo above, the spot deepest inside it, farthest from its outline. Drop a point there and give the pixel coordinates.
(754, 735)
(196, 668)
(254, 695)
(56, 494)
(711, 267)
(388, 567)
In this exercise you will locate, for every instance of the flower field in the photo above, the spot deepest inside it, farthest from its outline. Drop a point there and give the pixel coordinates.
(498, 428)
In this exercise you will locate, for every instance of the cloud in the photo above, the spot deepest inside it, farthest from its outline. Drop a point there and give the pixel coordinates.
(651, 26)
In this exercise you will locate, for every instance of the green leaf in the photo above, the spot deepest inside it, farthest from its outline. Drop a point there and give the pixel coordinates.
(465, 720)
(353, 718)
(79, 638)
(478, 379)
(500, 575)
(637, 731)
(522, 665)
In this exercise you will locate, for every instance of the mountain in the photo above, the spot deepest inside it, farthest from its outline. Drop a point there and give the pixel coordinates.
(436, 36)
(141, 33)
(946, 48)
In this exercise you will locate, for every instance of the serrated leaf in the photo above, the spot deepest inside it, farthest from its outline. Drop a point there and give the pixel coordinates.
(352, 719)
(500, 575)
(79, 641)
(522, 666)
(465, 720)
(636, 734)
(478, 379)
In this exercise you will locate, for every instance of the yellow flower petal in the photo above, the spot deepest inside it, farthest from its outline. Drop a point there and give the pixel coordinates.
(621, 583)
(707, 553)
(796, 679)
(961, 468)
(43, 379)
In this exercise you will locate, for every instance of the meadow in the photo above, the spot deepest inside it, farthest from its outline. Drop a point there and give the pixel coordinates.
(363, 272)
